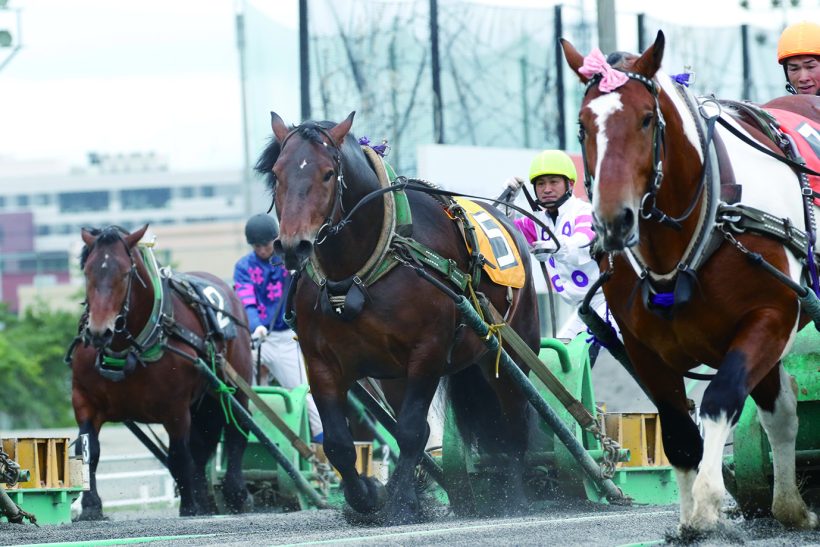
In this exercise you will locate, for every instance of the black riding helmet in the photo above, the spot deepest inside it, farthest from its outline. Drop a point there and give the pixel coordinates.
(261, 229)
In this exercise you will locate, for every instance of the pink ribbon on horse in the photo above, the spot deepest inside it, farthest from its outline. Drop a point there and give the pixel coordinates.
(595, 63)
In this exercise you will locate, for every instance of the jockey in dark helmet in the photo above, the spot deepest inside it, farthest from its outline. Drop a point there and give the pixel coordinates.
(798, 50)
(261, 229)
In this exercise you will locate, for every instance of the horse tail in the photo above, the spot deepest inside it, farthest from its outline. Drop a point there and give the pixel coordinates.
(476, 409)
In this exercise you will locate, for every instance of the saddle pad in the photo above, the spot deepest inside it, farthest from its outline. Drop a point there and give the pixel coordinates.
(503, 261)
(219, 323)
(806, 135)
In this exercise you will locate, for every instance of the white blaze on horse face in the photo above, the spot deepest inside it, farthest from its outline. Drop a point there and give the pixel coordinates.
(708, 489)
(302, 165)
(689, 128)
(105, 261)
(602, 107)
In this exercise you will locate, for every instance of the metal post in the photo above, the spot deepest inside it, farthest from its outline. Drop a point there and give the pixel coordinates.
(438, 116)
(746, 92)
(560, 128)
(641, 32)
(607, 36)
(304, 60)
(525, 106)
(246, 166)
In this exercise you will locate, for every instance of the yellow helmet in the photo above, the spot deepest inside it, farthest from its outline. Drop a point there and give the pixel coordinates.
(801, 38)
(553, 162)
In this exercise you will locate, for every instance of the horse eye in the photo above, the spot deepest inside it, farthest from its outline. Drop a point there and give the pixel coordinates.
(646, 121)
(328, 176)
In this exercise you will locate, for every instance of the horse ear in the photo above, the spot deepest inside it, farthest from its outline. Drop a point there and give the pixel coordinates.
(134, 237)
(650, 60)
(280, 130)
(88, 239)
(340, 130)
(574, 59)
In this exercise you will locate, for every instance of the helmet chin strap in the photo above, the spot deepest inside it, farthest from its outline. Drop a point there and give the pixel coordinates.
(558, 202)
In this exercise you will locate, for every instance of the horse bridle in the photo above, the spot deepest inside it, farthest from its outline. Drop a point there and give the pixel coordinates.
(121, 320)
(648, 208)
(328, 226)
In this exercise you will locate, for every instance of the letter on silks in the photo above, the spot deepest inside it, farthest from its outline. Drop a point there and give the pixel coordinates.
(503, 254)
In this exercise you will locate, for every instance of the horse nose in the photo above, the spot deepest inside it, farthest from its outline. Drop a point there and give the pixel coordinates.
(620, 232)
(294, 255)
(100, 339)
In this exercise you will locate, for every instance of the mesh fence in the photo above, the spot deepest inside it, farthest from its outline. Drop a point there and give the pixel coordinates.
(498, 70)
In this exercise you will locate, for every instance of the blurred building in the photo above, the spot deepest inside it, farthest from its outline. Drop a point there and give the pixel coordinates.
(198, 218)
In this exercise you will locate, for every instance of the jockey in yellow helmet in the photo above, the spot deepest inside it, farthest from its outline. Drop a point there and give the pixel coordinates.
(798, 50)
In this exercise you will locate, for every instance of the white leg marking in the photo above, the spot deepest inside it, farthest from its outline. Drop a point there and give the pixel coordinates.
(602, 107)
(708, 489)
(781, 427)
(686, 479)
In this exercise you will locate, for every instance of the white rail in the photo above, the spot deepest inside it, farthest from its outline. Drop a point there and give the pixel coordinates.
(137, 478)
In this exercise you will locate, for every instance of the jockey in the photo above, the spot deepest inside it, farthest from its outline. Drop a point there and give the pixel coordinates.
(799, 52)
(260, 281)
(571, 269)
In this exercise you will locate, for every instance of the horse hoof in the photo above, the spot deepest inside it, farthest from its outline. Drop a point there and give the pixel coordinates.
(91, 514)
(371, 500)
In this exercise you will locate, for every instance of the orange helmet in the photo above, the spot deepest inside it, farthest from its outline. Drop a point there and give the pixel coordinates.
(801, 38)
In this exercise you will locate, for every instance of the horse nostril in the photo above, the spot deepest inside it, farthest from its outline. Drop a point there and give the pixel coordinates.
(304, 248)
(627, 219)
(278, 248)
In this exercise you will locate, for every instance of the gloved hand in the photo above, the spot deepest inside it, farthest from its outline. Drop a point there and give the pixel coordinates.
(259, 333)
(514, 183)
(544, 250)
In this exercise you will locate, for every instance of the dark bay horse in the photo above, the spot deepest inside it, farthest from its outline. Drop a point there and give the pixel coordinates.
(167, 389)
(678, 302)
(406, 329)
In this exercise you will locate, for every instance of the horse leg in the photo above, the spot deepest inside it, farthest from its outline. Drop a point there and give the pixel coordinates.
(206, 427)
(411, 435)
(363, 494)
(746, 364)
(236, 494)
(776, 399)
(496, 419)
(180, 463)
(91, 502)
(681, 439)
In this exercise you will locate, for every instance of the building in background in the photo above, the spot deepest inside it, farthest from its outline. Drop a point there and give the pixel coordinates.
(198, 218)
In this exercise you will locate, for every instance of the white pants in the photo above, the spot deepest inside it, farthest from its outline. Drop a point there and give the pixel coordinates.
(281, 356)
(573, 326)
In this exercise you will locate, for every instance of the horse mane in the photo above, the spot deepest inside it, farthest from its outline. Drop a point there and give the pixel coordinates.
(309, 132)
(621, 59)
(109, 234)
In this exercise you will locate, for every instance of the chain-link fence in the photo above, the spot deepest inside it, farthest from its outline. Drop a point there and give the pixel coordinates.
(469, 73)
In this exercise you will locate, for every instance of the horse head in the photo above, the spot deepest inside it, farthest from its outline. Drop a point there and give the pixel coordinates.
(108, 263)
(621, 132)
(304, 165)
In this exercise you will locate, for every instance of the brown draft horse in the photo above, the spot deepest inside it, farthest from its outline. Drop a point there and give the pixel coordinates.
(170, 391)
(407, 329)
(738, 319)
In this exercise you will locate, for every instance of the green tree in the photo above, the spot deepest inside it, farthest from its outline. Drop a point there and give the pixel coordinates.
(35, 383)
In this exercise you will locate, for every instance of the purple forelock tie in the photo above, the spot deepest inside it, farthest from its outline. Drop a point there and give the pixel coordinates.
(682, 79)
(595, 63)
(380, 149)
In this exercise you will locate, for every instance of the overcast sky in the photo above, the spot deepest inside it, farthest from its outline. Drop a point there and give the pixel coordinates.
(162, 75)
